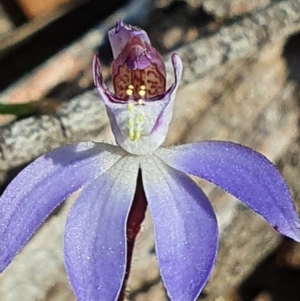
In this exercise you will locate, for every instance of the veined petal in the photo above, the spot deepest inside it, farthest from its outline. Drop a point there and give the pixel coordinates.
(185, 228)
(244, 173)
(119, 36)
(43, 185)
(95, 233)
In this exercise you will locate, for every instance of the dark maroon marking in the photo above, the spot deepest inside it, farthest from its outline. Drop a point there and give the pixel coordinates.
(134, 221)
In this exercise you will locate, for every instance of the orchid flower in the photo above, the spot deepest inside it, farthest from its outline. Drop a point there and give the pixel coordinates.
(117, 179)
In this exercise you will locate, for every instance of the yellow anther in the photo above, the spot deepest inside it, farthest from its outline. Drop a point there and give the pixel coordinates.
(131, 87)
(140, 118)
(130, 106)
(142, 87)
(142, 93)
(131, 122)
(129, 92)
(140, 101)
(131, 135)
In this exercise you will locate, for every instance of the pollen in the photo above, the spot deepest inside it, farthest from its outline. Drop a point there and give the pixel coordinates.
(129, 92)
(131, 135)
(137, 135)
(131, 123)
(130, 106)
(140, 118)
(142, 93)
(135, 121)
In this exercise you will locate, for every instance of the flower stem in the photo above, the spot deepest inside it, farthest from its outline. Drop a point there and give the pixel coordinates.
(39, 107)
(135, 219)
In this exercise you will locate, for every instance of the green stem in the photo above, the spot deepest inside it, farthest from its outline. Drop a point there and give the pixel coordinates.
(16, 109)
(39, 107)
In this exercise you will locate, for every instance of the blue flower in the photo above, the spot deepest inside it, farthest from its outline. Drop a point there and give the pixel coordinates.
(112, 178)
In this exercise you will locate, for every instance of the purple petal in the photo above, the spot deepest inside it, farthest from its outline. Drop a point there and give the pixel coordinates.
(138, 54)
(95, 233)
(185, 228)
(244, 173)
(121, 34)
(42, 186)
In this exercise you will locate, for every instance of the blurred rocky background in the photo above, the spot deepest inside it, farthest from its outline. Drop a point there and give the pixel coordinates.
(240, 83)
